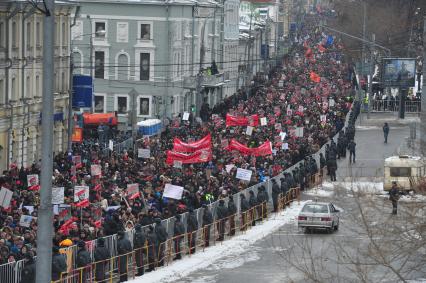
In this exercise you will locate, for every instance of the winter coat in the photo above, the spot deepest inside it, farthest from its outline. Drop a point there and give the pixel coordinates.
(83, 258)
(222, 211)
(161, 233)
(252, 201)
(192, 223)
(139, 240)
(59, 265)
(152, 245)
(275, 190)
(262, 196)
(179, 228)
(101, 255)
(28, 273)
(207, 217)
(232, 209)
(244, 205)
(351, 146)
(123, 248)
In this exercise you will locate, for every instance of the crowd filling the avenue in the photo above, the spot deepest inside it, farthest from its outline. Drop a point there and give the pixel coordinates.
(294, 109)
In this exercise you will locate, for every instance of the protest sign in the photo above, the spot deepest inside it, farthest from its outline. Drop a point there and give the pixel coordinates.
(64, 211)
(57, 195)
(229, 167)
(284, 146)
(25, 220)
(283, 135)
(33, 182)
(185, 116)
(30, 208)
(263, 121)
(95, 170)
(249, 130)
(177, 164)
(278, 126)
(244, 174)
(81, 193)
(132, 189)
(289, 112)
(300, 108)
(331, 102)
(173, 191)
(76, 159)
(323, 119)
(111, 145)
(274, 152)
(5, 197)
(144, 153)
(299, 132)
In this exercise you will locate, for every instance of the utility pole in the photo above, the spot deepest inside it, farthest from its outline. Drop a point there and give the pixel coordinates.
(370, 83)
(70, 98)
(364, 9)
(45, 213)
(423, 98)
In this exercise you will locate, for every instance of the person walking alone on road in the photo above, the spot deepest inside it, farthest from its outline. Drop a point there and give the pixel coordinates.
(386, 132)
(351, 147)
(394, 197)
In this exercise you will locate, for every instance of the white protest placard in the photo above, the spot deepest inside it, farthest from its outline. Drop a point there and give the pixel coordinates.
(263, 121)
(300, 108)
(111, 145)
(323, 118)
(32, 180)
(5, 197)
(249, 130)
(229, 167)
(173, 191)
(58, 195)
(25, 220)
(185, 116)
(299, 132)
(283, 135)
(177, 164)
(284, 146)
(289, 112)
(95, 170)
(331, 102)
(244, 174)
(81, 193)
(274, 152)
(30, 208)
(132, 189)
(144, 153)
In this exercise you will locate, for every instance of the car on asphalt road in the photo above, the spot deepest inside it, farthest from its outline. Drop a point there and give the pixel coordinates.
(321, 215)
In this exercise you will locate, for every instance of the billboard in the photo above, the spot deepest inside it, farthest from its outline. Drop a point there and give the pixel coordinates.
(399, 72)
(82, 91)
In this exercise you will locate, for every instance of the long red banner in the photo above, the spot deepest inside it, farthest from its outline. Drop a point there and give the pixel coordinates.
(252, 120)
(204, 143)
(264, 149)
(200, 156)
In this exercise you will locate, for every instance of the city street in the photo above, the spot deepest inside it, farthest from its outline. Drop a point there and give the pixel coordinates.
(287, 254)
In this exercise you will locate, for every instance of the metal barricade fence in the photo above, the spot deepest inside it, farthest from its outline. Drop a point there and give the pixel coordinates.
(11, 272)
(411, 106)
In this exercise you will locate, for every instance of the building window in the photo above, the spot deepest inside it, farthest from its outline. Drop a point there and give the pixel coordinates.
(100, 26)
(122, 67)
(38, 35)
(144, 68)
(2, 34)
(122, 104)
(145, 32)
(29, 32)
(144, 106)
(14, 41)
(64, 34)
(28, 87)
(99, 104)
(99, 64)
(2, 91)
(63, 81)
(37, 87)
(13, 89)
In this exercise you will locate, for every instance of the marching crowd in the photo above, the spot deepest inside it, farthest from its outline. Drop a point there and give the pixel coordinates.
(288, 97)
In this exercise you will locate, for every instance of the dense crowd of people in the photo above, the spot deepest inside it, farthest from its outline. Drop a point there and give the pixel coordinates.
(287, 96)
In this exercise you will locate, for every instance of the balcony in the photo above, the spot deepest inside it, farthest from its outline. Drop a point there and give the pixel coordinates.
(206, 81)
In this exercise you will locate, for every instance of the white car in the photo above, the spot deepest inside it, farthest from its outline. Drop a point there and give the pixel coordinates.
(321, 215)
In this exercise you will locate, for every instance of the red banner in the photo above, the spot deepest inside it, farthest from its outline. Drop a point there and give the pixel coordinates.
(264, 149)
(315, 77)
(204, 143)
(252, 120)
(200, 156)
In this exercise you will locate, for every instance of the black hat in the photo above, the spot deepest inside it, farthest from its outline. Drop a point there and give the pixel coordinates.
(28, 256)
(204, 205)
(55, 249)
(221, 201)
(120, 233)
(101, 242)
(177, 216)
(157, 220)
(81, 244)
(251, 192)
(138, 227)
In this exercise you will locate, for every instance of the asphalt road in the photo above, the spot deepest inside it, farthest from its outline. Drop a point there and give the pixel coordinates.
(291, 255)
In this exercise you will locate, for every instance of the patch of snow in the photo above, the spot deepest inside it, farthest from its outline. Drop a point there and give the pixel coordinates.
(365, 187)
(234, 261)
(420, 280)
(237, 245)
(319, 192)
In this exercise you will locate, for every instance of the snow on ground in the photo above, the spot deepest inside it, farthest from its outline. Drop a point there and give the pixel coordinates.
(319, 192)
(411, 197)
(212, 255)
(365, 187)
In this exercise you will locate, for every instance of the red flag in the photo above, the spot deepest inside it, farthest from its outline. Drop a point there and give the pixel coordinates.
(34, 188)
(83, 203)
(204, 143)
(252, 120)
(321, 48)
(98, 224)
(97, 187)
(264, 149)
(200, 156)
(315, 77)
(135, 195)
(308, 53)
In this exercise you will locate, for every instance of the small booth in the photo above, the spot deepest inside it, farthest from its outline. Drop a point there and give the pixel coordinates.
(150, 127)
